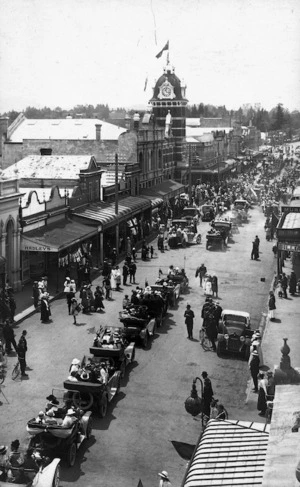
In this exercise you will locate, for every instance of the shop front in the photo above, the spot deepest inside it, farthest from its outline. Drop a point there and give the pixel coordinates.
(288, 235)
(127, 218)
(57, 251)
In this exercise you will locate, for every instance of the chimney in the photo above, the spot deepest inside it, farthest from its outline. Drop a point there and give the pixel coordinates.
(3, 131)
(136, 121)
(98, 131)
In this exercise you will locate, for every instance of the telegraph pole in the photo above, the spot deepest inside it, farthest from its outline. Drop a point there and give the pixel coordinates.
(117, 202)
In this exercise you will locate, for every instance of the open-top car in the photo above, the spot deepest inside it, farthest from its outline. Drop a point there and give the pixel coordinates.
(36, 471)
(110, 344)
(139, 323)
(207, 213)
(183, 232)
(224, 226)
(234, 333)
(242, 207)
(98, 382)
(52, 438)
(191, 214)
(214, 238)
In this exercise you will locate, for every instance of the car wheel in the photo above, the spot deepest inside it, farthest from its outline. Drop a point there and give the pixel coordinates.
(56, 477)
(103, 406)
(89, 429)
(146, 341)
(219, 349)
(84, 401)
(71, 455)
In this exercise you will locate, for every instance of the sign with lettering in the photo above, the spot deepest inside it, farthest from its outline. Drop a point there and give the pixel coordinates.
(289, 247)
(31, 245)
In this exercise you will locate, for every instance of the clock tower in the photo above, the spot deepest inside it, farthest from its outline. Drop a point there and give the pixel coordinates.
(169, 101)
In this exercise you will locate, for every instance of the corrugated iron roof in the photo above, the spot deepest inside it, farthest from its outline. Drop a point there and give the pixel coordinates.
(64, 129)
(229, 453)
(167, 189)
(49, 167)
(104, 213)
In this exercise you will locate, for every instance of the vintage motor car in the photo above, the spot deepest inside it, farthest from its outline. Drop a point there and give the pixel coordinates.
(224, 226)
(53, 439)
(37, 474)
(139, 324)
(93, 393)
(242, 207)
(110, 343)
(183, 233)
(234, 333)
(180, 278)
(191, 214)
(214, 238)
(207, 213)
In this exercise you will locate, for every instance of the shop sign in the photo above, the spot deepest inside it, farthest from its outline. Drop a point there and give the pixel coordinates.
(289, 247)
(32, 246)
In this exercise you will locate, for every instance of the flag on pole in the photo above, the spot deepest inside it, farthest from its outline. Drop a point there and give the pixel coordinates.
(166, 48)
(146, 82)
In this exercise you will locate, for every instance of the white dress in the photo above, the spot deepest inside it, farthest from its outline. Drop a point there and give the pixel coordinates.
(208, 288)
(113, 279)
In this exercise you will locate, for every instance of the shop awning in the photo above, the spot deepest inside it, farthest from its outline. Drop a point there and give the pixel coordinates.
(229, 453)
(56, 239)
(154, 200)
(166, 190)
(104, 213)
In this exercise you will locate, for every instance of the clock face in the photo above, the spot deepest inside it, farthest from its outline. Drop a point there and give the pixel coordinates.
(166, 91)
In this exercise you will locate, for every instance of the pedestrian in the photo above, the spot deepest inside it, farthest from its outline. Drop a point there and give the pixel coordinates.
(133, 252)
(107, 287)
(98, 303)
(151, 251)
(75, 308)
(272, 306)
(262, 394)
(125, 272)
(126, 301)
(85, 300)
(35, 294)
(113, 279)
(118, 278)
(214, 286)
(284, 285)
(189, 321)
(208, 286)
(68, 293)
(254, 252)
(9, 337)
(207, 394)
(164, 479)
(106, 268)
(22, 350)
(292, 283)
(201, 272)
(45, 308)
(254, 369)
(12, 304)
(132, 272)
(114, 256)
(257, 241)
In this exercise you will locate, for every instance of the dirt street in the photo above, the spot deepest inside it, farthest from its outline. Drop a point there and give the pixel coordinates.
(135, 440)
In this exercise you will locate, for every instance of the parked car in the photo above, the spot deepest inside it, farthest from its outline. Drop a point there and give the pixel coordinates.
(234, 333)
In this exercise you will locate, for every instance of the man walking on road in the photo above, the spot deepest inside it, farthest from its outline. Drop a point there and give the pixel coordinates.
(9, 337)
(189, 321)
(22, 349)
(207, 393)
(201, 271)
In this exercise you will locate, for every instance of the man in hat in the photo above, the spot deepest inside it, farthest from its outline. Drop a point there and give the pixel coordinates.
(49, 417)
(207, 393)
(164, 479)
(201, 271)
(21, 350)
(254, 368)
(189, 321)
(40, 419)
(69, 419)
(52, 403)
(9, 336)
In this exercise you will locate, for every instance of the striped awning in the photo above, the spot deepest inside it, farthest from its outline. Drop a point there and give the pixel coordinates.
(229, 453)
(104, 214)
(154, 200)
(165, 190)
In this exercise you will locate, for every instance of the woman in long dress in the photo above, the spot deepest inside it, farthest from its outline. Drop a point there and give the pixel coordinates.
(45, 308)
(262, 394)
(272, 306)
(208, 287)
(113, 279)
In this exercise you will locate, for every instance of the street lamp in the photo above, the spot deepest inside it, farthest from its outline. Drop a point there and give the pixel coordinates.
(194, 403)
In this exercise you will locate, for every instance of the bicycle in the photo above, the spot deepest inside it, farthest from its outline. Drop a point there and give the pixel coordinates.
(204, 340)
(16, 372)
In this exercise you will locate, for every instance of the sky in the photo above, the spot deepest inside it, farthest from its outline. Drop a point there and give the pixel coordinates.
(71, 52)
